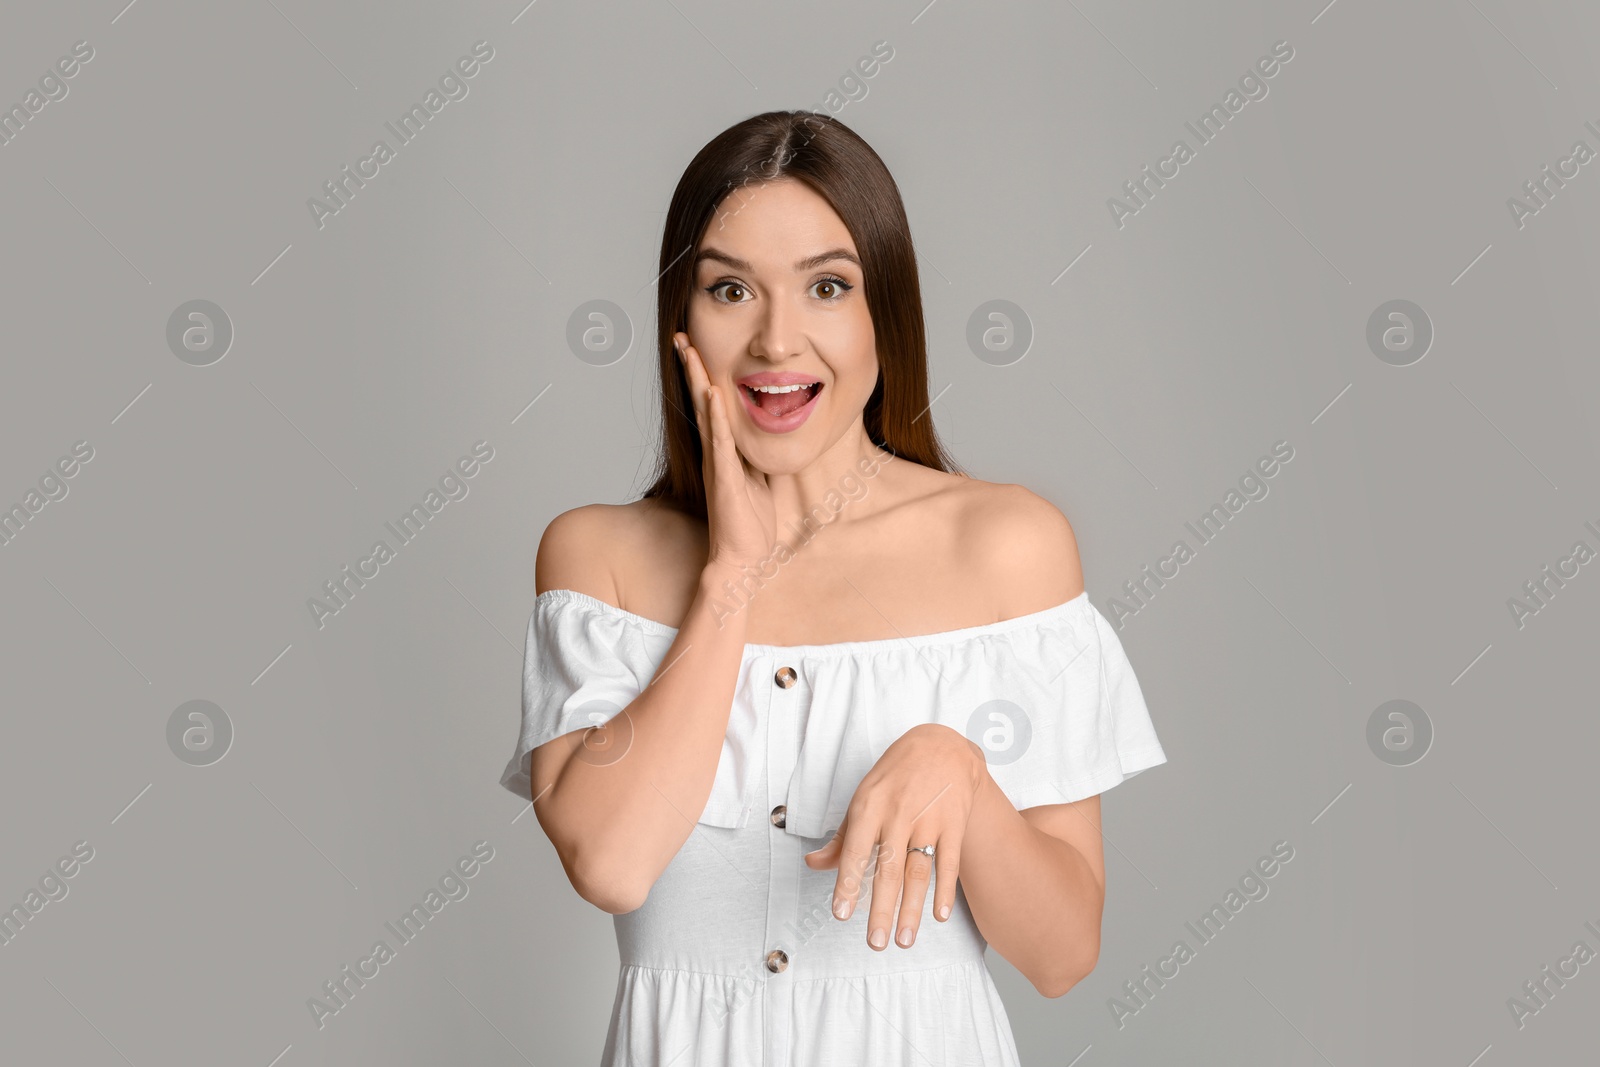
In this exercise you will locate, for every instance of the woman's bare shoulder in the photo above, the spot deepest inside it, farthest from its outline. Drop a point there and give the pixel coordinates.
(1024, 542)
(618, 553)
(572, 552)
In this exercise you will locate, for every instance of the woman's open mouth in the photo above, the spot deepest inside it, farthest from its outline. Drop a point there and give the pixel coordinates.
(778, 406)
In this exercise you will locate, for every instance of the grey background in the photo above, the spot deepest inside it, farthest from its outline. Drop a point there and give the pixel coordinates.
(370, 354)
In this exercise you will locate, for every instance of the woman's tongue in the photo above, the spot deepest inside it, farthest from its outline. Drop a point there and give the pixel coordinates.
(780, 404)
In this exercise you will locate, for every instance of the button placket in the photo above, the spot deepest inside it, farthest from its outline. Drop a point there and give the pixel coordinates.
(786, 698)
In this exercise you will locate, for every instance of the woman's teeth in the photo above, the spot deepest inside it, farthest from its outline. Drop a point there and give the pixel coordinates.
(781, 400)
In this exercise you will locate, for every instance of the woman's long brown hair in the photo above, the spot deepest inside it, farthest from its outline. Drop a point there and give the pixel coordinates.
(844, 170)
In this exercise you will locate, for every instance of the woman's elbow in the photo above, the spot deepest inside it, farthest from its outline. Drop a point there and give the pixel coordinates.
(1059, 982)
(612, 893)
(595, 877)
(609, 886)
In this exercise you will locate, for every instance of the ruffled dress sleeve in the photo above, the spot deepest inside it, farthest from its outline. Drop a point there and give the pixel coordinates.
(1050, 699)
(581, 666)
(1072, 721)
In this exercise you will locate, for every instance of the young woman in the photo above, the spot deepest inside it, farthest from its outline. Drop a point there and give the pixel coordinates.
(815, 673)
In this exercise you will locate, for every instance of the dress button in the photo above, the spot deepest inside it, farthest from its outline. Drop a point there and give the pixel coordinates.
(777, 960)
(785, 677)
(778, 816)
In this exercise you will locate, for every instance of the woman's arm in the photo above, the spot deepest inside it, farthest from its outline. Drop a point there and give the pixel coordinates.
(1036, 883)
(1035, 880)
(617, 820)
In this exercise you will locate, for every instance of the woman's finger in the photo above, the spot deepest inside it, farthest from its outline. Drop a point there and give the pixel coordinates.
(857, 841)
(919, 868)
(886, 882)
(947, 865)
(694, 372)
(826, 857)
(712, 466)
(729, 468)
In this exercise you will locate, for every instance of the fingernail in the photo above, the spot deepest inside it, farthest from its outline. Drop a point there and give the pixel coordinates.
(905, 937)
(944, 911)
(841, 908)
(879, 938)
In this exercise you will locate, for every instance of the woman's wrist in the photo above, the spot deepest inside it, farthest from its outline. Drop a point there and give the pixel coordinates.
(724, 591)
(717, 571)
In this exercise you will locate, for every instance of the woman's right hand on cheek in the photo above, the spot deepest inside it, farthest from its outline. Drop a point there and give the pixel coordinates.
(738, 505)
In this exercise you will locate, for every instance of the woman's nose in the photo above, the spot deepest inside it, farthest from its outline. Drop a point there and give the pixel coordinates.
(777, 337)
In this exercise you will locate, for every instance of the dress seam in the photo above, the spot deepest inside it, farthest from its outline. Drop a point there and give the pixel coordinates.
(1069, 614)
(977, 962)
(686, 970)
(893, 974)
(1091, 784)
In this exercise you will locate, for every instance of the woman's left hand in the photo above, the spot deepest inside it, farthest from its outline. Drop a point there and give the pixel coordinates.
(920, 792)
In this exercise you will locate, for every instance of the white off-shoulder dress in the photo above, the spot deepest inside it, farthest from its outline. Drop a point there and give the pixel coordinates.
(735, 958)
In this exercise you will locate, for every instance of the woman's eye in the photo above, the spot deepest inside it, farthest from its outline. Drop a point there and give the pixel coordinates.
(729, 287)
(834, 288)
(731, 292)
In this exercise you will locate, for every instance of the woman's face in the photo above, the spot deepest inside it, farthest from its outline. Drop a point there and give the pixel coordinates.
(779, 301)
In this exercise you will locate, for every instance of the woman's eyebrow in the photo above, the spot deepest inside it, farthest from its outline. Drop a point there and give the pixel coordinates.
(803, 265)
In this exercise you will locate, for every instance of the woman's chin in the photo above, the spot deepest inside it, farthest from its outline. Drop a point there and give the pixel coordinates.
(777, 458)
(778, 467)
